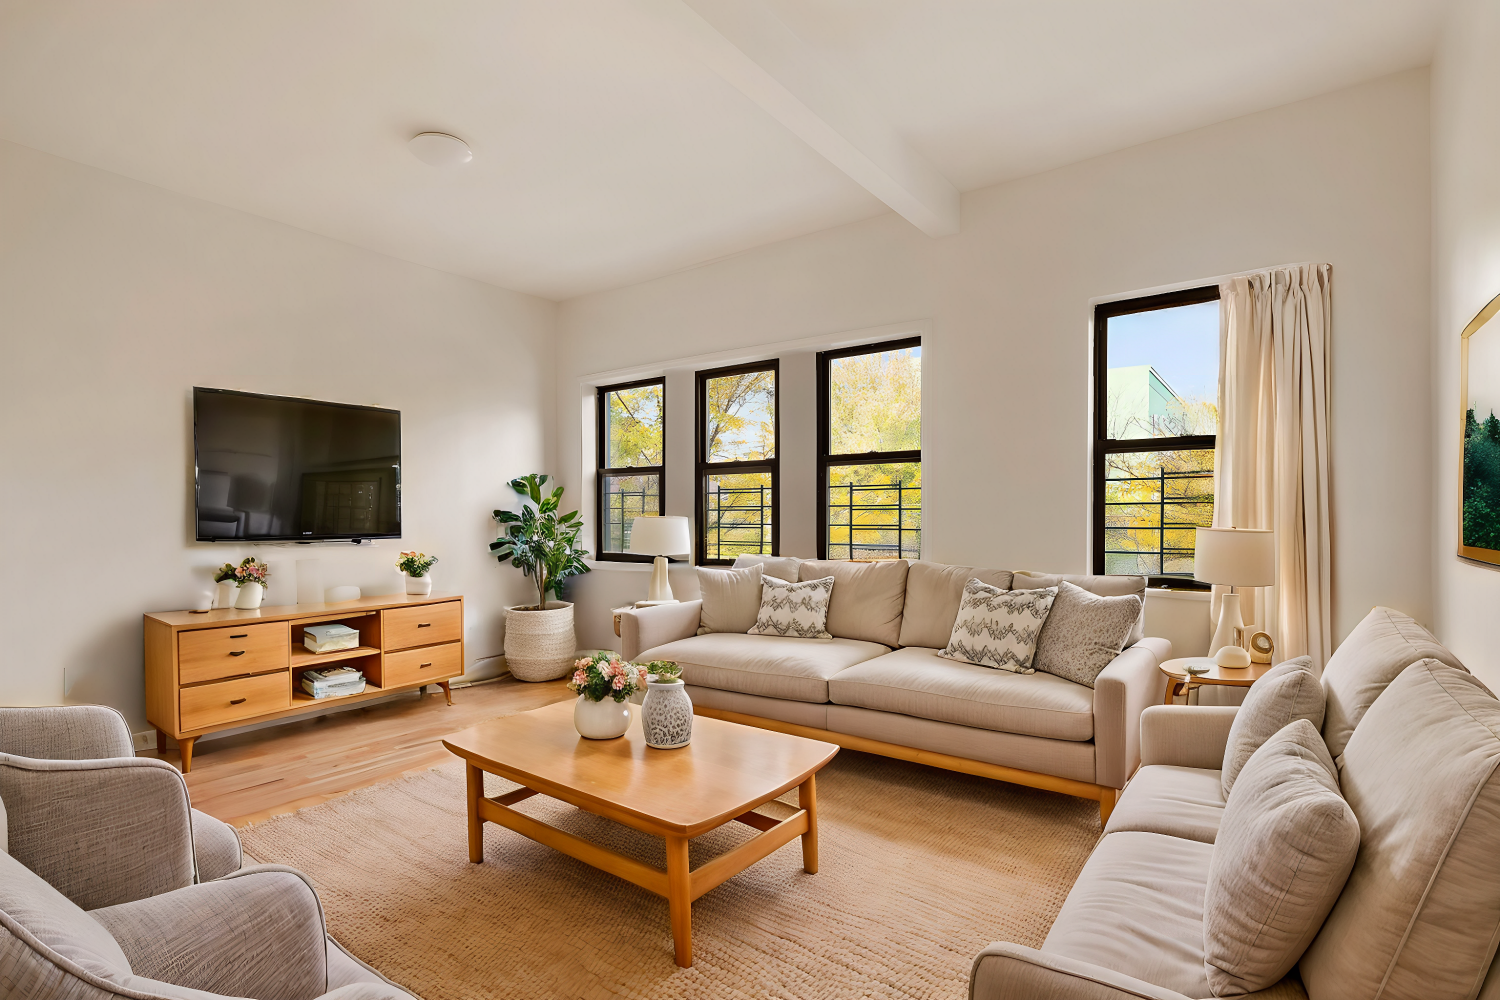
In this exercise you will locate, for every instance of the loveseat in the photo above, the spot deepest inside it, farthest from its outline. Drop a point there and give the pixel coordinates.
(879, 686)
(1415, 740)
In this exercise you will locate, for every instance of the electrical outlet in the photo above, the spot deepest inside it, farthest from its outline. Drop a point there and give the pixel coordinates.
(144, 741)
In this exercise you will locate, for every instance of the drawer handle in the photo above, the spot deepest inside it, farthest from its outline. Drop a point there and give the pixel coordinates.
(242, 635)
(423, 666)
(237, 652)
(424, 624)
(236, 701)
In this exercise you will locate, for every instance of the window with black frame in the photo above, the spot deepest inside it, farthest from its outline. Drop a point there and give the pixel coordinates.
(870, 451)
(737, 462)
(1156, 375)
(632, 463)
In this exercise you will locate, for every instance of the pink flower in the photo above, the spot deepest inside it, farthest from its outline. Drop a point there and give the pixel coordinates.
(617, 683)
(579, 677)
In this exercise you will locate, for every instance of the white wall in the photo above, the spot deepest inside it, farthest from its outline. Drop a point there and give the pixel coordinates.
(1342, 178)
(115, 299)
(1466, 275)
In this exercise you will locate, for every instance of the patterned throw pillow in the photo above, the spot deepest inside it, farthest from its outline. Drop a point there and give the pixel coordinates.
(999, 628)
(1084, 633)
(799, 609)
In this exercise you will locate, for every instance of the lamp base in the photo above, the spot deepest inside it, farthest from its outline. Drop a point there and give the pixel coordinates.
(661, 589)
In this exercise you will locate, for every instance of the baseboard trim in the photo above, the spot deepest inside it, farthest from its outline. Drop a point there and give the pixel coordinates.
(1102, 794)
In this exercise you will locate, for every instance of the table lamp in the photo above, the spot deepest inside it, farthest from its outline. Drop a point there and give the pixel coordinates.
(660, 537)
(1233, 557)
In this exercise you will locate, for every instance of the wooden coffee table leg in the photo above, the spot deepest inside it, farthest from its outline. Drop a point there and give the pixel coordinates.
(476, 825)
(807, 798)
(680, 900)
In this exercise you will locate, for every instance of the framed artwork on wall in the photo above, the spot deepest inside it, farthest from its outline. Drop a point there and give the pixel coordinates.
(1479, 491)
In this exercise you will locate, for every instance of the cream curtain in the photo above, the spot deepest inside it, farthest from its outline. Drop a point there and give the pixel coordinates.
(1271, 463)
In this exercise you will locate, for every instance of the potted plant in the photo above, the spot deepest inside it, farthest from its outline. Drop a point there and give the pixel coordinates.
(604, 683)
(542, 544)
(415, 565)
(251, 576)
(225, 586)
(667, 712)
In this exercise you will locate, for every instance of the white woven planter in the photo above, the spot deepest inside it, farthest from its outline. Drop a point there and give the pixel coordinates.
(539, 645)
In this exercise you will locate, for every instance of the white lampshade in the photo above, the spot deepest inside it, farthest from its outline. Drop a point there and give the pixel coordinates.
(660, 536)
(1235, 557)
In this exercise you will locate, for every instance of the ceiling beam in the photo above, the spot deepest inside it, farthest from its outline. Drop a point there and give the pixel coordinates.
(751, 48)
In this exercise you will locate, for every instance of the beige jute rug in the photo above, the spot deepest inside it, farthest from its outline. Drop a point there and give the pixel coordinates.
(920, 869)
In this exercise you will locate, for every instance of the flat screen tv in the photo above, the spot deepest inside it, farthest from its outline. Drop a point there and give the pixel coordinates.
(278, 469)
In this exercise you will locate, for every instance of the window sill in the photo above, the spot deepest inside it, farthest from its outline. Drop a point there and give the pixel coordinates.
(1161, 593)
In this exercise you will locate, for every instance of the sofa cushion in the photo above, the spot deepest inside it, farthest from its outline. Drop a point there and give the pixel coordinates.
(918, 682)
(1104, 586)
(1186, 802)
(1084, 632)
(1385, 643)
(933, 593)
(771, 666)
(1280, 861)
(731, 598)
(1287, 692)
(1421, 911)
(781, 567)
(999, 628)
(1137, 908)
(793, 609)
(867, 598)
(59, 923)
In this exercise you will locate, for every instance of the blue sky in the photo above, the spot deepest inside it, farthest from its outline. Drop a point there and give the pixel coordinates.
(1182, 343)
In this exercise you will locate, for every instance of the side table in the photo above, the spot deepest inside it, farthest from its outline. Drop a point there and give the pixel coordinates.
(1180, 682)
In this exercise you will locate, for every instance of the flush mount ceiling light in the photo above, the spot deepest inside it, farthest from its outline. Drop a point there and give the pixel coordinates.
(439, 149)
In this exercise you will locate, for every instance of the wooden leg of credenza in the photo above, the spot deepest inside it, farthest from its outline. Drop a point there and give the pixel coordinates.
(447, 691)
(161, 742)
(185, 744)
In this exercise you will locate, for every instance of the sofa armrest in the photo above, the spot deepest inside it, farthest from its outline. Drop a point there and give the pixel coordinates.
(646, 628)
(1012, 972)
(101, 832)
(1186, 735)
(1127, 687)
(216, 847)
(256, 933)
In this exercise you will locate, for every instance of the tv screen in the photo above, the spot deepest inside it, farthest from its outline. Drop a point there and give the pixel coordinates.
(274, 468)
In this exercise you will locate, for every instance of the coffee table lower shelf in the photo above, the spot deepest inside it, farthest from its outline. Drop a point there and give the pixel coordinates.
(678, 884)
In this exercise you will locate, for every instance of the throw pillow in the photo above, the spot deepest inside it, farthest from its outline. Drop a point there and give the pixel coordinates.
(731, 599)
(781, 567)
(1289, 691)
(999, 628)
(867, 597)
(1285, 848)
(799, 609)
(1083, 633)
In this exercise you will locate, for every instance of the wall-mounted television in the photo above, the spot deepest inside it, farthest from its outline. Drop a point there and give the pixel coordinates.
(279, 469)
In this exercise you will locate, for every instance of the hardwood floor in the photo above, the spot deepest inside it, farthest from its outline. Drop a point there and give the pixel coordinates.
(252, 776)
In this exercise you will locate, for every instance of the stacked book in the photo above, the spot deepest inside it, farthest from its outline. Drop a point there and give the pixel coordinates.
(329, 638)
(333, 682)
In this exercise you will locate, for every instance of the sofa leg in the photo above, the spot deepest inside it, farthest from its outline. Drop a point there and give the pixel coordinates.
(1107, 798)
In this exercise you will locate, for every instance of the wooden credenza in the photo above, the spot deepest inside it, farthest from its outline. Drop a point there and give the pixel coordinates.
(212, 671)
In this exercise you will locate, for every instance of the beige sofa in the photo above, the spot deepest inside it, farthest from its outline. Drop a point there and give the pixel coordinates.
(879, 685)
(1417, 744)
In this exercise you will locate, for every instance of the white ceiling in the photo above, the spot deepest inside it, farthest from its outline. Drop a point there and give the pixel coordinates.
(605, 150)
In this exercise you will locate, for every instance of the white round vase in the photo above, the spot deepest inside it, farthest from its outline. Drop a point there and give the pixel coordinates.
(418, 586)
(224, 594)
(250, 596)
(539, 645)
(601, 720)
(667, 714)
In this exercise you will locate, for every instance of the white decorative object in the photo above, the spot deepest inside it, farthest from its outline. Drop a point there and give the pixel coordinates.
(337, 595)
(999, 628)
(250, 596)
(660, 537)
(225, 594)
(309, 581)
(795, 609)
(667, 714)
(419, 586)
(203, 604)
(539, 645)
(1233, 557)
(439, 149)
(601, 720)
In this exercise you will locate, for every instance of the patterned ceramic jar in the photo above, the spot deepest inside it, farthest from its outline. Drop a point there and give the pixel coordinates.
(667, 714)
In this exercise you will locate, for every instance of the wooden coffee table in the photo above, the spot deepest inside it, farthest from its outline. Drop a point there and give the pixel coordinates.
(677, 795)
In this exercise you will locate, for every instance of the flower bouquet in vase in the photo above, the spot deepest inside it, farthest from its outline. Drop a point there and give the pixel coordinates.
(251, 576)
(604, 683)
(415, 565)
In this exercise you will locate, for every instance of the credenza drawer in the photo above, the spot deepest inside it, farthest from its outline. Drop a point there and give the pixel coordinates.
(402, 628)
(428, 664)
(211, 653)
(241, 698)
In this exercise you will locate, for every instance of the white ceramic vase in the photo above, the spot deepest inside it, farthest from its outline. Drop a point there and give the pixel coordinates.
(418, 586)
(667, 714)
(601, 720)
(539, 645)
(225, 594)
(250, 596)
